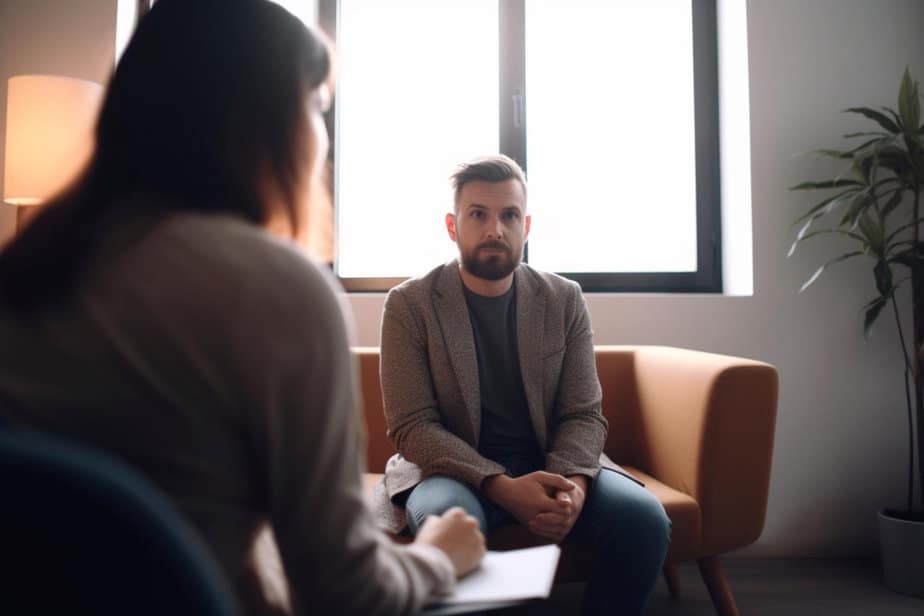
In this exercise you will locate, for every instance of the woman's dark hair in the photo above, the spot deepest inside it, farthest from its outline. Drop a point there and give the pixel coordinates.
(208, 100)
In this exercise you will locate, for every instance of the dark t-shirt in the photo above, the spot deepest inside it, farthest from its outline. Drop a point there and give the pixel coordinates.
(507, 435)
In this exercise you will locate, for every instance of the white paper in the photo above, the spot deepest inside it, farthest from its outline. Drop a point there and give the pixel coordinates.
(510, 576)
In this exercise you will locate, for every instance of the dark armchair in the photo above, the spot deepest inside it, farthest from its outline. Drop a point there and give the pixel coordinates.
(81, 533)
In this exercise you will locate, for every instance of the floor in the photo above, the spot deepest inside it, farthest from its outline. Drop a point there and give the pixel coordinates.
(764, 587)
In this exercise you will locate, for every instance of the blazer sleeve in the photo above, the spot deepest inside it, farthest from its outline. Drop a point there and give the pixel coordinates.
(411, 408)
(578, 430)
(304, 393)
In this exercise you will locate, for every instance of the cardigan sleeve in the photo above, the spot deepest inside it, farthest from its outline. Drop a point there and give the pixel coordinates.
(579, 430)
(304, 391)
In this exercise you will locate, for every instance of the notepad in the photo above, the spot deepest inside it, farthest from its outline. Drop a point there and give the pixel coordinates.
(503, 578)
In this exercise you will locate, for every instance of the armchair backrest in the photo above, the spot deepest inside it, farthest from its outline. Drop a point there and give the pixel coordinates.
(82, 533)
(615, 368)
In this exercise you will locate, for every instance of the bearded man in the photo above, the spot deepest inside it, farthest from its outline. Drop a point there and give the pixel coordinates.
(493, 403)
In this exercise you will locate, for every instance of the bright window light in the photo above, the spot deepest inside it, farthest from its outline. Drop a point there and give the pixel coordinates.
(610, 136)
(599, 104)
(417, 94)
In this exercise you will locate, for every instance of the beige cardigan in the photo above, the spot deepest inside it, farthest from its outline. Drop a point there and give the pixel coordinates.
(215, 359)
(429, 377)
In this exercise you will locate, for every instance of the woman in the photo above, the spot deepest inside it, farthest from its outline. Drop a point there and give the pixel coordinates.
(149, 311)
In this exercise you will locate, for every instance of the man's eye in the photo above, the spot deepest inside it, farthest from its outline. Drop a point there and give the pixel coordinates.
(511, 216)
(477, 214)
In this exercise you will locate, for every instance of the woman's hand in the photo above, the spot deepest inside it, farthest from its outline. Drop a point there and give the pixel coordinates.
(458, 535)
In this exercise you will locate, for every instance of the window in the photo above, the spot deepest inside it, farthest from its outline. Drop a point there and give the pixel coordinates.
(610, 107)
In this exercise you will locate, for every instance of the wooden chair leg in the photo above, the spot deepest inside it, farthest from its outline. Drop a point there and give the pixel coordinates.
(672, 580)
(722, 598)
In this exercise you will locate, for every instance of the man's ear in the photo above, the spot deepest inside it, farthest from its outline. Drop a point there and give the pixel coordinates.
(526, 223)
(451, 225)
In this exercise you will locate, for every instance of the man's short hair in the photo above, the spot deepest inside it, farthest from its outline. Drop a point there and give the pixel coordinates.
(497, 168)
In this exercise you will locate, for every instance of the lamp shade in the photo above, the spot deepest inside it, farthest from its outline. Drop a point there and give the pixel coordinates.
(49, 134)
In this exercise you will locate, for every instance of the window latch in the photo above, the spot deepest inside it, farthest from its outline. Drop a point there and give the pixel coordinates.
(518, 108)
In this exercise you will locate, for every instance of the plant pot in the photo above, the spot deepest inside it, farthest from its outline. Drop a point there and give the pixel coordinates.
(901, 544)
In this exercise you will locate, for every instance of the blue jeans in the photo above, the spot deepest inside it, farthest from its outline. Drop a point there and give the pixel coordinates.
(624, 520)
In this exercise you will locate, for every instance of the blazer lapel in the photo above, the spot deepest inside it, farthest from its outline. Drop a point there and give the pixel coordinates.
(452, 314)
(530, 328)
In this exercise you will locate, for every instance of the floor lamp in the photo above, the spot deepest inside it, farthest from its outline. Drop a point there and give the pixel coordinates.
(49, 136)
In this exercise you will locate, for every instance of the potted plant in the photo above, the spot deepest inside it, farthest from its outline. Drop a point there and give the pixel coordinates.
(875, 204)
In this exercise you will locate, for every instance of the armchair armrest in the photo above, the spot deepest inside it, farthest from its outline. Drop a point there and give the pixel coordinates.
(378, 446)
(706, 428)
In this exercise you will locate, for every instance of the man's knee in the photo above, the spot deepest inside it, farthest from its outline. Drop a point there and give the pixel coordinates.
(637, 523)
(658, 527)
(437, 494)
(648, 526)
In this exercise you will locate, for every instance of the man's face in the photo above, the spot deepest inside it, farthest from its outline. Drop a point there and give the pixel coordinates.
(490, 227)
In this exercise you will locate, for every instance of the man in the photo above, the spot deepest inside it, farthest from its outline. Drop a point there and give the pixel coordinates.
(493, 403)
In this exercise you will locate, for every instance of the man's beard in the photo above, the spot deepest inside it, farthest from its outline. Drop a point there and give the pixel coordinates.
(495, 266)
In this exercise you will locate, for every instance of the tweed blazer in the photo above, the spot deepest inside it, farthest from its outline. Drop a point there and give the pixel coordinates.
(429, 375)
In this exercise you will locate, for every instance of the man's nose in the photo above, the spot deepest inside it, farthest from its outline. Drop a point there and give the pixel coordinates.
(496, 230)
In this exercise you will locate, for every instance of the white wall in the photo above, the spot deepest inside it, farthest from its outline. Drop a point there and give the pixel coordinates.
(72, 38)
(841, 438)
(840, 433)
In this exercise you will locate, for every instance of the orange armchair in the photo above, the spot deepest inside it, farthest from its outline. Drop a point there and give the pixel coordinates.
(696, 427)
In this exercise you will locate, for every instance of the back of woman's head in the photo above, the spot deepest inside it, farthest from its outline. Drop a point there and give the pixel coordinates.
(208, 95)
(206, 105)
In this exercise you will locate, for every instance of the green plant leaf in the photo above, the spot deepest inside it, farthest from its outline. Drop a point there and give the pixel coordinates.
(850, 234)
(893, 114)
(858, 205)
(896, 160)
(826, 206)
(800, 236)
(878, 145)
(917, 164)
(885, 139)
(882, 271)
(902, 258)
(862, 167)
(818, 272)
(827, 184)
(914, 154)
(883, 183)
(878, 133)
(909, 107)
(915, 138)
(872, 310)
(877, 117)
(896, 247)
(874, 235)
(893, 202)
(867, 148)
(841, 154)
